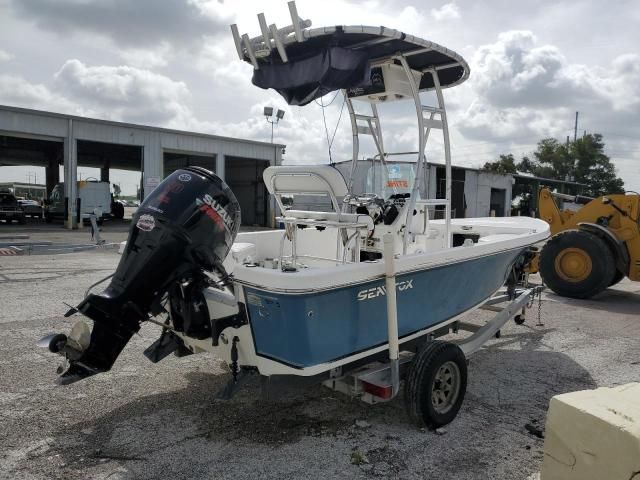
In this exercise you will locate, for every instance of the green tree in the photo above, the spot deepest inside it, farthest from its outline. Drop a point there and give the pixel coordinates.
(582, 161)
(593, 167)
(504, 166)
(553, 160)
(526, 165)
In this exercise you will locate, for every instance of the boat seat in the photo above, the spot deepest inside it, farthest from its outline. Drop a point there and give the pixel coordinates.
(322, 180)
(305, 180)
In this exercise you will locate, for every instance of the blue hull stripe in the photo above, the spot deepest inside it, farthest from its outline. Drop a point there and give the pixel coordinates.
(303, 330)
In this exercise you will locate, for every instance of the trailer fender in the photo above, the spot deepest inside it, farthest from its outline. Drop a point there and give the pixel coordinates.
(618, 248)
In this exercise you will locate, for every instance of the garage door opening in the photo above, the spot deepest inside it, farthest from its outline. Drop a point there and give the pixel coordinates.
(174, 161)
(31, 161)
(244, 177)
(498, 201)
(120, 165)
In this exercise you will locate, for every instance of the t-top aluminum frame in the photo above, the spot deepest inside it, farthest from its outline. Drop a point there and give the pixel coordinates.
(425, 125)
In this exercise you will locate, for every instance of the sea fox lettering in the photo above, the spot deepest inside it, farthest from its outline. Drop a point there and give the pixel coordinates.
(374, 292)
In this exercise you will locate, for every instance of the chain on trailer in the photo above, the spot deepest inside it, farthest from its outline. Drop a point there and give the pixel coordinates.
(539, 324)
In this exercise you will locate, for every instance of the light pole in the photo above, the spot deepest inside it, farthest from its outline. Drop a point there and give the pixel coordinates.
(268, 114)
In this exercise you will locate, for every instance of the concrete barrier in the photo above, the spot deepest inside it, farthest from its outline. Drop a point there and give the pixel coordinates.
(593, 435)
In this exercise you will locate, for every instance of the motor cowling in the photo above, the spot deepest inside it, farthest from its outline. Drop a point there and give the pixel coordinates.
(186, 225)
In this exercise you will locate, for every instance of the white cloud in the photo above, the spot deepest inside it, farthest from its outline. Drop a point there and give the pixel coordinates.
(520, 92)
(177, 67)
(514, 72)
(448, 11)
(483, 122)
(148, 58)
(17, 91)
(125, 22)
(5, 56)
(124, 92)
(516, 80)
(618, 84)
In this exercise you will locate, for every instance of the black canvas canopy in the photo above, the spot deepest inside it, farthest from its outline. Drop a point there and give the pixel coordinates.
(334, 58)
(312, 76)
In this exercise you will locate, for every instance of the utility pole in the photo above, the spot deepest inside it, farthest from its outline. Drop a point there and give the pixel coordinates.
(575, 129)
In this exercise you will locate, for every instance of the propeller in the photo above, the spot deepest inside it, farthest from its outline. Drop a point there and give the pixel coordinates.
(46, 340)
(54, 342)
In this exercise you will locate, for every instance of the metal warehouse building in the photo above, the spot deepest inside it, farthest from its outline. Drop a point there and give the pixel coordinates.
(45, 139)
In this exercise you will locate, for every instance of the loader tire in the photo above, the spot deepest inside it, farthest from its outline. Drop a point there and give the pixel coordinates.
(617, 278)
(577, 264)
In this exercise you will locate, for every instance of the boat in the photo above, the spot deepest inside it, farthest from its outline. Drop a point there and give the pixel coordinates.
(365, 285)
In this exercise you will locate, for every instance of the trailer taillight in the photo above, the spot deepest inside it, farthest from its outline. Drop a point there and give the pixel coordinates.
(384, 392)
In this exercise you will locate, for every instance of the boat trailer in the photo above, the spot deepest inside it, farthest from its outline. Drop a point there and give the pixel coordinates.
(434, 389)
(377, 382)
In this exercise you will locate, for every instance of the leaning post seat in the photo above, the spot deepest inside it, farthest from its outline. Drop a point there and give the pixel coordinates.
(319, 180)
(323, 180)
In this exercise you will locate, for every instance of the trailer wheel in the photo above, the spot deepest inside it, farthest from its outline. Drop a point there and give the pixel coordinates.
(117, 210)
(576, 264)
(435, 384)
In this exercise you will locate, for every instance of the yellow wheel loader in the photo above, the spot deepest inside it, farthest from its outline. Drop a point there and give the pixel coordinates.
(593, 247)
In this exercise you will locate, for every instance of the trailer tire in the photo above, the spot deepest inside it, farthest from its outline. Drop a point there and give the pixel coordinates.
(577, 264)
(435, 384)
(117, 210)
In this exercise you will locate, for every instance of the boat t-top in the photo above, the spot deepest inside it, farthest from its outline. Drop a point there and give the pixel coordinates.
(355, 294)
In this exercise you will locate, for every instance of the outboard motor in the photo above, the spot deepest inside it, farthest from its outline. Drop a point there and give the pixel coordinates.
(186, 225)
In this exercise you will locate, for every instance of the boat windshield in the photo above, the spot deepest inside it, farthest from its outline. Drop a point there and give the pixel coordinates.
(386, 179)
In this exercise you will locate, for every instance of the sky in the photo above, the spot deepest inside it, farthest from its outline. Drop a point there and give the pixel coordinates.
(172, 63)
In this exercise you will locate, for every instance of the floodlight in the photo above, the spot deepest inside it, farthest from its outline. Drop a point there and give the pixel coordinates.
(268, 111)
(280, 114)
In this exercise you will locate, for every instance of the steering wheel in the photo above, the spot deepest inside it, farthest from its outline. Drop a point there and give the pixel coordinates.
(362, 200)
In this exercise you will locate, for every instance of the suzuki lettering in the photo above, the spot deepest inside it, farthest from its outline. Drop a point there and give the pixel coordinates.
(215, 211)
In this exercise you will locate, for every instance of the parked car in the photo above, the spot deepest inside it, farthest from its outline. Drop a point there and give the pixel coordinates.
(32, 208)
(10, 209)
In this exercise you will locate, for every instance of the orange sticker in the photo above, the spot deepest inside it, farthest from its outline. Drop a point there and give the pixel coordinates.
(397, 184)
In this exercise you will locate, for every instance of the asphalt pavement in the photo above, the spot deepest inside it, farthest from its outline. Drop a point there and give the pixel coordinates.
(160, 421)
